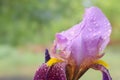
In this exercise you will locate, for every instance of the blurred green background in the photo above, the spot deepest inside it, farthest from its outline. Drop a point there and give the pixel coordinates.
(27, 27)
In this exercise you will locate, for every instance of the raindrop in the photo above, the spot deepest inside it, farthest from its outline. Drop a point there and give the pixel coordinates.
(104, 20)
(94, 34)
(105, 38)
(109, 30)
(91, 17)
(99, 32)
(72, 33)
(89, 29)
(108, 24)
(87, 36)
(94, 18)
(88, 18)
(96, 24)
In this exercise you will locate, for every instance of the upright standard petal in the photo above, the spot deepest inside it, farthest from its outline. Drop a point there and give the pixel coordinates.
(97, 30)
(87, 38)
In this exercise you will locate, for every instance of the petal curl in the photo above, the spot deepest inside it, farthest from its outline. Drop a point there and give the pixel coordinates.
(105, 72)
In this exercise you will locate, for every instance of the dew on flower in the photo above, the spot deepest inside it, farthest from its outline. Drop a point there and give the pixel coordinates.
(78, 49)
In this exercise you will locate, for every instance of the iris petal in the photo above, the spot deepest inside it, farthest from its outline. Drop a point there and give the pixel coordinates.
(106, 76)
(104, 70)
(96, 31)
(78, 49)
(57, 72)
(87, 38)
(41, 72)
(54, 72)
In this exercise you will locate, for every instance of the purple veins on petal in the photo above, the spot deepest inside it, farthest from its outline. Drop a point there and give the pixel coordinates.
(41, 72)
(54, 72)
(57, 72)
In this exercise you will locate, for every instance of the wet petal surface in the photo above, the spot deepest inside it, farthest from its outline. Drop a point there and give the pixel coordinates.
(77, 49)
(87, 38)
(57, 72)
(54, 72)
(41, 72)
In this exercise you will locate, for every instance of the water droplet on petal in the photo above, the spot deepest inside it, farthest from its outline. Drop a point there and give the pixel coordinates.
(89, 29)
(108, 24)
(99, 32)
(72, 33)
(94, 18)
(96, 24)
(109, 30)
(94, 34)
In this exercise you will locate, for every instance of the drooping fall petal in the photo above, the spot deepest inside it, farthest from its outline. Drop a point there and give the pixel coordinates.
(54, 72)
(41, 72)
(57, 72)
(104, 70)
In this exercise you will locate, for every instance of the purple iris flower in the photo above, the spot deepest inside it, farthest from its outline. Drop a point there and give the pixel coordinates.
(77, 49)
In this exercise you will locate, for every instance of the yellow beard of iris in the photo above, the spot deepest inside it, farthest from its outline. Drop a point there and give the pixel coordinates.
(101, 62)
(53, 61)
